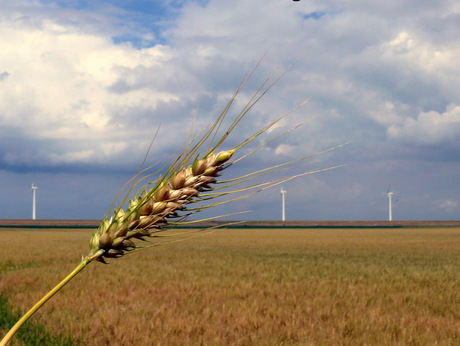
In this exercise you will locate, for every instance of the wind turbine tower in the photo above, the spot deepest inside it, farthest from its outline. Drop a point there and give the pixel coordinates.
(34, 189)
(390, 216)
(283, 209)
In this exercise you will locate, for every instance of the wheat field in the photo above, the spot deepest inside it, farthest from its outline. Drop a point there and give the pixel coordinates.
(241, 287)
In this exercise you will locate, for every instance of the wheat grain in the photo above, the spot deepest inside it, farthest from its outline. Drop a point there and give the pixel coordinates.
(146, 215)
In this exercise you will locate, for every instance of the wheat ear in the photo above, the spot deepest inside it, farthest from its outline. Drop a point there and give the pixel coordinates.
(148, 214)
(167, 201)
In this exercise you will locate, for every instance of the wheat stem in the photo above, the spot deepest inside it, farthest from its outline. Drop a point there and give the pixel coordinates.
(42, 301)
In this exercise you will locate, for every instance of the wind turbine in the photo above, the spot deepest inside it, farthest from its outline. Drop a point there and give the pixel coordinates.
(390, 216)
(283, 211)
(34, 189)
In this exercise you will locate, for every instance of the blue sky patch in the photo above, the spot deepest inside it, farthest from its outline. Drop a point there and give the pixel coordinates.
(314, 15)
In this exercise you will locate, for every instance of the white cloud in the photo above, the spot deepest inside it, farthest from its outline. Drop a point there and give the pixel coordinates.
(72, 157)
(56, 86)
(283, 149)
(429, 127)
(428, 57)
(449, 205)
(67, 78)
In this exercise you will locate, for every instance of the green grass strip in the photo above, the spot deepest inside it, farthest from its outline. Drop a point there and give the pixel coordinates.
(10, 266)
(31, 333)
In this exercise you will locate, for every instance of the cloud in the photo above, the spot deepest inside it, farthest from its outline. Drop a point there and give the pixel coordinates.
(70, 82)
(59, 88)
(283, 149)
(81, 98)
(449, 205)
(84, 87)
(429, 128)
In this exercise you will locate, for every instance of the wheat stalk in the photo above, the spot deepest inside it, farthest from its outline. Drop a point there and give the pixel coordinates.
(167, 201)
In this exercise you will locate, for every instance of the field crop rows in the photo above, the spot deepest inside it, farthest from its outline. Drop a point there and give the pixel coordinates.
(244, 286)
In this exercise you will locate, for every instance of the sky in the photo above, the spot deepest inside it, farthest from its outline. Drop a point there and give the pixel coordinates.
(86, 85)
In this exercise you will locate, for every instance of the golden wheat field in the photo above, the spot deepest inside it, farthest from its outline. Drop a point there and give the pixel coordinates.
(244, 287)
